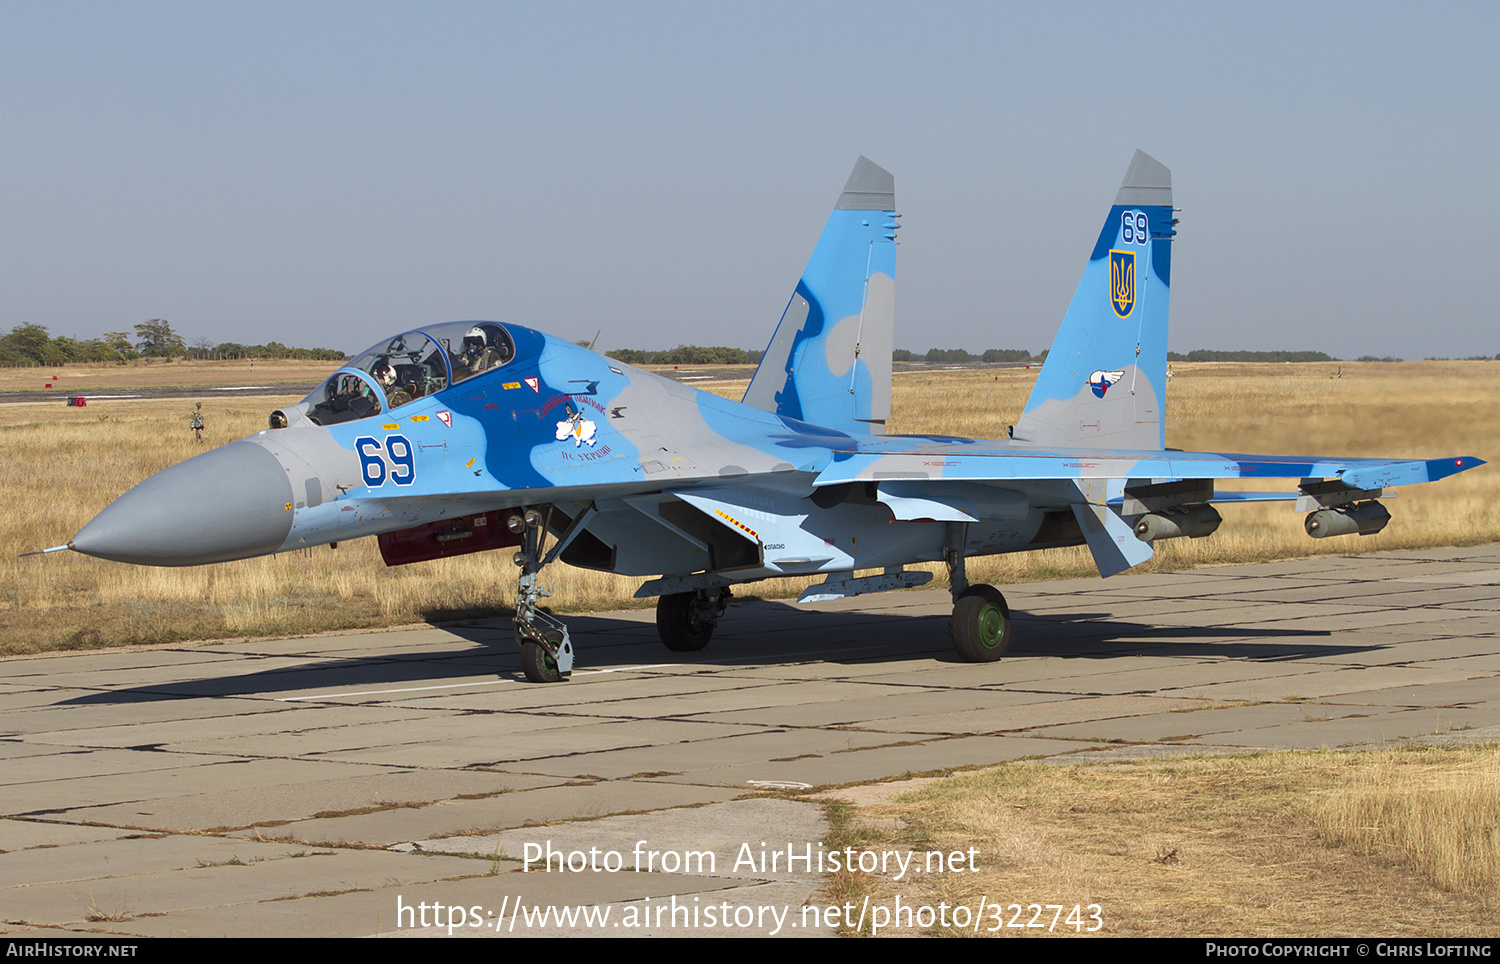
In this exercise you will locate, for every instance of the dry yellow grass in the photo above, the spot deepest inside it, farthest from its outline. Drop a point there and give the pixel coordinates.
(1436, 813)
(83, 379)
(63, 465)
(1394, 843)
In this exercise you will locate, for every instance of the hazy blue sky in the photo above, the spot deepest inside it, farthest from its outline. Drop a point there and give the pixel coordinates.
(329, 173)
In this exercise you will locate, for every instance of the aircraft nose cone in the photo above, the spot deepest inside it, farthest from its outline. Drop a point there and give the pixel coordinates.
(230, 503)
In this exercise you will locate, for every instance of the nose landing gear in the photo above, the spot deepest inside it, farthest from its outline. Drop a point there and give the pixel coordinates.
(546, 650)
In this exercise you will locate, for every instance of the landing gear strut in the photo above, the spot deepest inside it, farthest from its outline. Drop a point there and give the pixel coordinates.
(685, 621)
(546, 650)
(981, 619)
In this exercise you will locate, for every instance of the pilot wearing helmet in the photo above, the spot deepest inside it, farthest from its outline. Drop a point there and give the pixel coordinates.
(384, 373)
(482, 350)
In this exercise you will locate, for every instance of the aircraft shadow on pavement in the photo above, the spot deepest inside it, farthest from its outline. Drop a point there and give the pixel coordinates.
(755, 633)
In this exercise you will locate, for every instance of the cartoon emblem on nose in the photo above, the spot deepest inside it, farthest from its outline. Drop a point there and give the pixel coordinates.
(575, 425)
(1098, 381)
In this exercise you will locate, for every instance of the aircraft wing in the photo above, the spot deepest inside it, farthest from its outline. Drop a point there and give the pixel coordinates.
(1121, 501)
(976, 463)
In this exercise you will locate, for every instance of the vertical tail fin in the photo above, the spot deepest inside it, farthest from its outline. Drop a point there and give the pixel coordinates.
(829, 362)
(1104, 382)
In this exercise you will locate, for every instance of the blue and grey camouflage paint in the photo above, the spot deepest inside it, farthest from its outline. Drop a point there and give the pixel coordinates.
(641, 475)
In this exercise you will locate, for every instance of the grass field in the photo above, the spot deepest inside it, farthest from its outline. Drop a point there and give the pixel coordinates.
(68, 380)
(1399, 842)
(65, 464)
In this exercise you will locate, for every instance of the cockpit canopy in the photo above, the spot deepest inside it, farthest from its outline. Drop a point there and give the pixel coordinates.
(407, 367)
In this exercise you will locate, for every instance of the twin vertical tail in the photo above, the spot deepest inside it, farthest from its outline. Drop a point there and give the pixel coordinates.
(829, 362)
(1104, 382)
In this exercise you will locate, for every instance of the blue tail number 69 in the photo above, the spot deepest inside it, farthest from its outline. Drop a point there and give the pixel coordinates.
(373, 456)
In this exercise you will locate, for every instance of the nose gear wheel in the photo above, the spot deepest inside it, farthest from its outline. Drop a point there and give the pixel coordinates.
(546, 650)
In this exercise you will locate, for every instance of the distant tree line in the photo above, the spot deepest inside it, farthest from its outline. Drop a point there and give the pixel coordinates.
(271, 349)
(687, 355)
(697, 355)
(719, 355)
(31, 345)
(1203, 354)
(958, 355)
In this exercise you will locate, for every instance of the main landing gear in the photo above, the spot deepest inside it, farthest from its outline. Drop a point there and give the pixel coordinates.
(686, 621)
(546, 650)
(981, 619)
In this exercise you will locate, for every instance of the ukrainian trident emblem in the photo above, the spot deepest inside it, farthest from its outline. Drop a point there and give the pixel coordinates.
(1122, 282)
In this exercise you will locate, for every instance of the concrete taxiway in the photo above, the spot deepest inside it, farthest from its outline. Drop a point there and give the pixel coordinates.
(370, 783)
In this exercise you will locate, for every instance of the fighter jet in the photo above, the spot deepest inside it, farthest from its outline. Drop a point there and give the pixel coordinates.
(479, 435)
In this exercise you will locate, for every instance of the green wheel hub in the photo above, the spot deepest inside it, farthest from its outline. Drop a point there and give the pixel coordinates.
(981, 624)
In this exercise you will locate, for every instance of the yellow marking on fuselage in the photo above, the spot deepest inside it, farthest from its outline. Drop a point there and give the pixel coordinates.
(738, 523)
